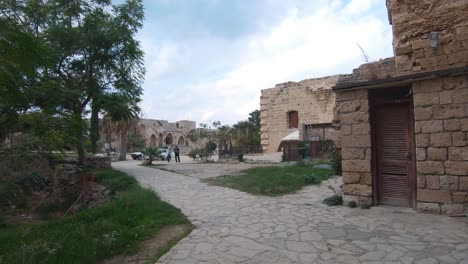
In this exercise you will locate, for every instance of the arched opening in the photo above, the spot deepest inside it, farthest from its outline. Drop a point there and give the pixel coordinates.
(168, 139)
(293, 119)
(160, 141)
(186, 143)
(153, 140)
(181, 141)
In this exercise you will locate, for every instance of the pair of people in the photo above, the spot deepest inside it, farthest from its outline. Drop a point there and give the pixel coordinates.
(176, 154)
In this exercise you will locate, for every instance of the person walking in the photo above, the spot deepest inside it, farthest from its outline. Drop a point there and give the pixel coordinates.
(176, 154)
(168, 157)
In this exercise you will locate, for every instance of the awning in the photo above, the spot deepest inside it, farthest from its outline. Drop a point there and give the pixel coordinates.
(294, 136)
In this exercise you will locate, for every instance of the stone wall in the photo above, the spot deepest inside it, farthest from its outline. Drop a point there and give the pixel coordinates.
(99, 162)
(355, 143)
(313, 99)
(412, 22)
(441, 131)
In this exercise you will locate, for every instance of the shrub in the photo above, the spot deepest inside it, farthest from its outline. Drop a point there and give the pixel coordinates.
(300, 163)
(240, 157)
(334, 200)
(365, 206)
(352, 204)
(336, 161)
(312, 179)
(3, 222)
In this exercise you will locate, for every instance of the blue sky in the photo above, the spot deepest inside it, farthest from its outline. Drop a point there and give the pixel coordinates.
(207, 60)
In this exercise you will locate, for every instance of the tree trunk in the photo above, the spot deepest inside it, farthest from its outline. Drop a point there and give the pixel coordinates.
(94, 129)
(123, 145)
(80, 139)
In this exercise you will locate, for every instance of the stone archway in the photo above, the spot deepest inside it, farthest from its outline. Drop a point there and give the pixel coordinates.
(160, 141)
(153, 140)
(169, 139)
(181, 141)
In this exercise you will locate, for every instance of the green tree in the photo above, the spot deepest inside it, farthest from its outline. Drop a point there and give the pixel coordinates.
(152, 153)
(94, 53)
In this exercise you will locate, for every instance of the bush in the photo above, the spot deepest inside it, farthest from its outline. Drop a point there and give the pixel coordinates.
(336, 161)
(352, 204)
(3, 222)
(334, 200)
(365, 206)
(240, 157)
(301, 163)
(115, 181)
(312, 179)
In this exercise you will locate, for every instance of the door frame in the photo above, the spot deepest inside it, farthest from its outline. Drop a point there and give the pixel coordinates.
(383, 96)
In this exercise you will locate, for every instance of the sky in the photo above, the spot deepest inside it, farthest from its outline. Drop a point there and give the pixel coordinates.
(208, 60)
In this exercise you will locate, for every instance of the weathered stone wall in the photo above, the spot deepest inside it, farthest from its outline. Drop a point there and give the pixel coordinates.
(313, 99)
(355, 142)
(412, 22)
(99, 162)
(441, 131)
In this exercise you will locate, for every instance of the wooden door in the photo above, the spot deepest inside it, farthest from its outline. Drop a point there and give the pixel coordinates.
(394, 154)
(293, 118)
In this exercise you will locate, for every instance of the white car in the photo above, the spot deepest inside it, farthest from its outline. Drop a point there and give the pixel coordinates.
(137, 155)
(163, 154)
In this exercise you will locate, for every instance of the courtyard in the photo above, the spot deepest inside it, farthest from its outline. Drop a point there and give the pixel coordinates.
(236, 227)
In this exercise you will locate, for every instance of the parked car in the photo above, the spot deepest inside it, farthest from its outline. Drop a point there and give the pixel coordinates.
(137, 155)
(163, 154)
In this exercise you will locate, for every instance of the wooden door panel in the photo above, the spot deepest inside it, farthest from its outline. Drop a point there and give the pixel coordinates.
(393, 154)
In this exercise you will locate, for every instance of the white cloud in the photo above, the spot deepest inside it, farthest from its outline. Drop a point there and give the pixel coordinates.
(301, 46)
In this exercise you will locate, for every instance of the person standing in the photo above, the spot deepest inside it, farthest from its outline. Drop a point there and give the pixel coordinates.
(176, 154)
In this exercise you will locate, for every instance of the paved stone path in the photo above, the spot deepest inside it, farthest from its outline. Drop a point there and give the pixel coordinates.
(235, 227)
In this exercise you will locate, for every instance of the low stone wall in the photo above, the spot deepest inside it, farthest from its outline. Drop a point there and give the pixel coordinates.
(99, 162)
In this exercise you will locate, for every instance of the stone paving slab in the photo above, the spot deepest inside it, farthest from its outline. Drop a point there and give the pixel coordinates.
(236, 227)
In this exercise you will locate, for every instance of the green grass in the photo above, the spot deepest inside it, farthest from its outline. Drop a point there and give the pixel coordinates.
(132, 216)
(274, 180)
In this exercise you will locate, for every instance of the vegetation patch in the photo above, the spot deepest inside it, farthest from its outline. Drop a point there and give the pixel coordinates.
(352, 204)
(334, 200)
(133, 215)
(273, 180)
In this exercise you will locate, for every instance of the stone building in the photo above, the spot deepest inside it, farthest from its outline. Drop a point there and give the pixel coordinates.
(306, 107)
(161, 133)
(404, 120)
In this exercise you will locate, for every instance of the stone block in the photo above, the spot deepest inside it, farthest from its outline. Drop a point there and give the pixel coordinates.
(449, 182)
(366, 178)
(452, 125)
(449, 111)
(421, 181)
(401, 58)
(452, 209)
(354, 118)
(458, 153)
(349, 106)
(426, 86)
(423, 113)
(357, 189)
(432, 182)
(427, 62)
(463, 183)
(352, 95)
(361, 129)
(425, 99)
(418, 54)
(422, 140)
(430, 167)
(403, 50)
(464, 124)
(431, 126)
(459, 139)
(437, 154)
(367, 154)
(461, 96)
(356, 165)
(421, 154)
(419, 44)
(456, 168)
(435, 196)
(452, 47)
(441, 139)
(365, 200)
(352, 153)
(351, 177)
(445, 97)
(356, 141)
(460, 197)
(441, 60)
(428, 208)
(346, 130)
(454, 83)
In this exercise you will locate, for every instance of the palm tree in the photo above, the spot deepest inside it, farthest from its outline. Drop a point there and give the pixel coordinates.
(152, 153)
(121, 115)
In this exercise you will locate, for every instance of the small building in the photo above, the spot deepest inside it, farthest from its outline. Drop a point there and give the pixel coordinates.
(304, 108)
(404, 120)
